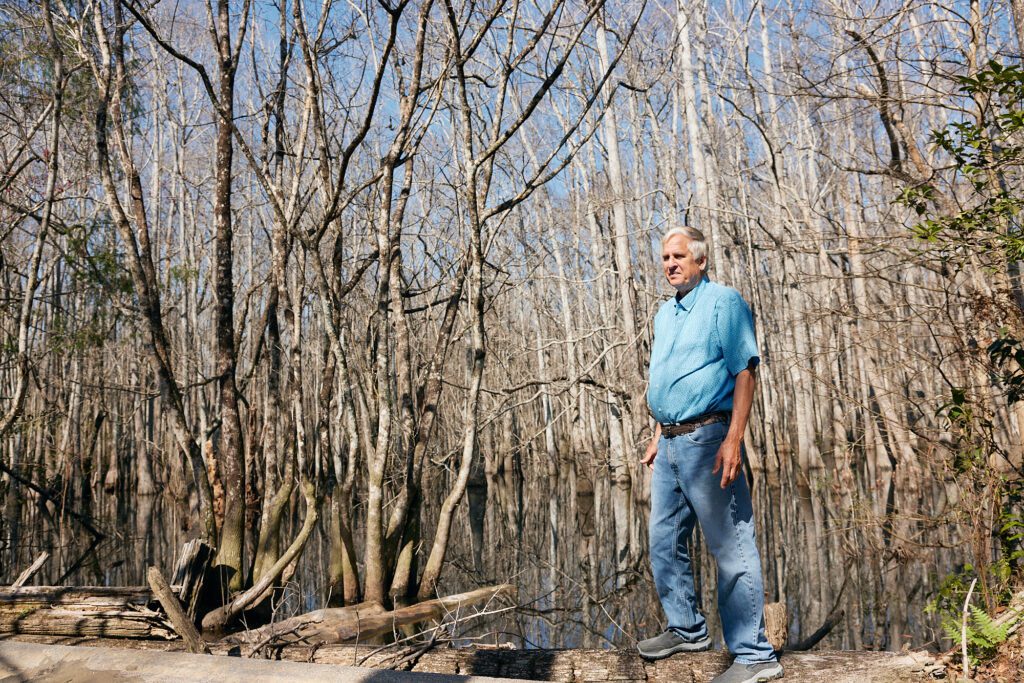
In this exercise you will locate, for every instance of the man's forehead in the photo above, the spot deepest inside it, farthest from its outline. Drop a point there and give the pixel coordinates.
(677, 242)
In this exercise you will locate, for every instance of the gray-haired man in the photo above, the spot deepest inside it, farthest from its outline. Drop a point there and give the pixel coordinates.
(701, 389)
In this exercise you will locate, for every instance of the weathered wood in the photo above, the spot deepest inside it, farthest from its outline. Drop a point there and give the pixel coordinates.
(341, 624)
(84, 596)
(318, 626)
(24, 577)
(1012, 613)
(585, 666)
(190, 573)
(179, 620)
(32, 662)
(776, 624)
(82, 611)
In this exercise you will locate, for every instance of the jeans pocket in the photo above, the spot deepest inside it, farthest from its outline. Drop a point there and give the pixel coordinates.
(707, 435)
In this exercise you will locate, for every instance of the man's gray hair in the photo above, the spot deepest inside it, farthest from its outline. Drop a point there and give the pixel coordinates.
(698, 243)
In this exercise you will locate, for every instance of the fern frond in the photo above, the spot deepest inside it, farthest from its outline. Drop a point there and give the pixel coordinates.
(984, 631)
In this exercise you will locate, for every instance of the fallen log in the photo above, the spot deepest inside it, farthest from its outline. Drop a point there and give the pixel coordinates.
(127, 612)
(566, 666)
(343, 624)
(311, 628)
(27, 662)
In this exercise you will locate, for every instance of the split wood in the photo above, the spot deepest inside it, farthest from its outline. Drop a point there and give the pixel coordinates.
(179, 620)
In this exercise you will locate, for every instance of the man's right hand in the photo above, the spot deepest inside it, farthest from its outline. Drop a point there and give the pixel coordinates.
(652, 451)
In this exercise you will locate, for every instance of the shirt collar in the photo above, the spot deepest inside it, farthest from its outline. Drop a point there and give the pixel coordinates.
(686, 302)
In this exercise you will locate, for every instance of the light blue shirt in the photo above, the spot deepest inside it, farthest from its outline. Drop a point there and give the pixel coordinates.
(701, 342)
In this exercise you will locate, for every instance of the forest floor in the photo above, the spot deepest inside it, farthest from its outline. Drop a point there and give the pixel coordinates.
(470, 664)
(1008, 664)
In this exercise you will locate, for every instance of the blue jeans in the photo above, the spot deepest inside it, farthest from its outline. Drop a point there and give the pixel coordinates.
(683, 492)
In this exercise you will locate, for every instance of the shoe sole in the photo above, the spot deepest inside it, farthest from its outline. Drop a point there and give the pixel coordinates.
(699, 646)
(770, 675)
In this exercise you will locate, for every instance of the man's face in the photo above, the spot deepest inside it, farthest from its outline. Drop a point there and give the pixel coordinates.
(682, 271)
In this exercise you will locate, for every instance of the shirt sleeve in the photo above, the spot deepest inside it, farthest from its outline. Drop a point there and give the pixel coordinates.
(735, 325)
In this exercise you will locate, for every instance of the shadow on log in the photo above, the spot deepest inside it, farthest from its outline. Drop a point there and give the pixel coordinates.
(566, 666)
(83, 611)
(190, 573)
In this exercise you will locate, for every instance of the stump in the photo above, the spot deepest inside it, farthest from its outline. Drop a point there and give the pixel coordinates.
(776, 624)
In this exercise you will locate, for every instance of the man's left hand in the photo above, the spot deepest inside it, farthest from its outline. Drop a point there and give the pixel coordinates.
(729, 460)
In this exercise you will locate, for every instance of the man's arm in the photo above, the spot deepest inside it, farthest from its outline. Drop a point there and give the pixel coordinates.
(652, 447)
(729, 458)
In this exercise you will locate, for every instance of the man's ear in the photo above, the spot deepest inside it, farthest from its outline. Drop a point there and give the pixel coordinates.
(703, 264)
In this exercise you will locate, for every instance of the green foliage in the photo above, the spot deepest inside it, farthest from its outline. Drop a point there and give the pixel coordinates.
(183, 274)
(992, 144)
(95, 264)
(95, 260)
(983, 150)
(950, 596)
(27, 66)
(1007, 355)
(972, 432)
(984, 636)
(987, 150)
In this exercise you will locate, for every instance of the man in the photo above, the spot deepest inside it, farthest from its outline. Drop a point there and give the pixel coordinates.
(701, 389)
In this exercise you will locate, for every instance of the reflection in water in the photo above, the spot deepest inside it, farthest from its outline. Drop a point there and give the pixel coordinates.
(549, 531)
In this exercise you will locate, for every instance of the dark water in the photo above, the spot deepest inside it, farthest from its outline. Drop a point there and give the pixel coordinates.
(554, 538)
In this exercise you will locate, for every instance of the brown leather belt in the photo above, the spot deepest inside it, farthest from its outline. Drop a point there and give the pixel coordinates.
(680, 428)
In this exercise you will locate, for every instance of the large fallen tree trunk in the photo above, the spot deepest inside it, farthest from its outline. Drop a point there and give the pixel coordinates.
(31, 662)
(567, 666)
(82, 611)
(134, 612)
(342, 624)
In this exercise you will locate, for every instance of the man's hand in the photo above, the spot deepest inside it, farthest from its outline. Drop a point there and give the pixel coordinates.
(652, 448)
(730, 456)
(728, 459)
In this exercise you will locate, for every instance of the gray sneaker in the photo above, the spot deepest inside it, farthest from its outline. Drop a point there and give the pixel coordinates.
(668, 644)
(750, 673)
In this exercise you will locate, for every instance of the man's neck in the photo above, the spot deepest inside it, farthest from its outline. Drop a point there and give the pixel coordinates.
(683, 290)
